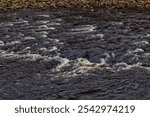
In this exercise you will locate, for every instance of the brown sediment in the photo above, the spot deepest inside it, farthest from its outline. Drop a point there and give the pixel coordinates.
(15, 4)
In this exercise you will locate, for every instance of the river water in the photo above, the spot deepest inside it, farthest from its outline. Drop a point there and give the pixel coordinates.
(75, 54)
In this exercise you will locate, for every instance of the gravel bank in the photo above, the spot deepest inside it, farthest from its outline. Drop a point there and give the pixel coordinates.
(15, 4)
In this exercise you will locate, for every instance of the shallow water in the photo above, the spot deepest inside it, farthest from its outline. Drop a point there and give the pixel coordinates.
(75, 54)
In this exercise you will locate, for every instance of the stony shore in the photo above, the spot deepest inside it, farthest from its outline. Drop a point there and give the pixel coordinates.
(15, 4)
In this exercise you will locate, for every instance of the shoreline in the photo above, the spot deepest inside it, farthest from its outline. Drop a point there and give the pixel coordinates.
(85, 4)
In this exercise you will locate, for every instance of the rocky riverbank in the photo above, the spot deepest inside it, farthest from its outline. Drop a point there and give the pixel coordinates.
(17, 4)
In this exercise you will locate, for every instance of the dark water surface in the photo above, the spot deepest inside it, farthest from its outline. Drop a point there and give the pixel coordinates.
(75, 54)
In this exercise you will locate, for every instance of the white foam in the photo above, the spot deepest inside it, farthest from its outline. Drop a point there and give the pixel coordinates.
(96, 36)
(102, 62)
(9, 24)
(1, 43)
(20, 35)
(122, 66)
(148, 35)
(54, 23)
(147, 54)
(83, 61)
(27, 48)
(29, 38)
(117, 23)
(83, 65)
(7, 36)
(64, 62)
(138, 50)
(58, 19)
(51, 28)
(46, 16)
(42, 49)
(21, 22)
(107, 56)
(43, 32)
(113, 55)
(99, 35)
(44, 27)
(141, 43)
(13, 42)
(32, 56)
(27, 56)
(43, 21)
(83, 29)
(53, 48)
(2, 52)
(43, 36)
(54, 40)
